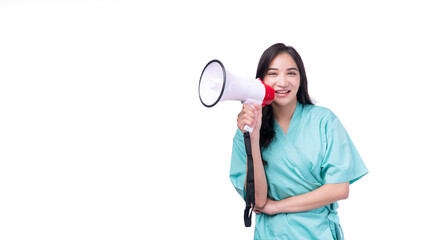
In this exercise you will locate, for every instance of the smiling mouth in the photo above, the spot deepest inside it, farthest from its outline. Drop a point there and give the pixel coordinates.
(282, 92)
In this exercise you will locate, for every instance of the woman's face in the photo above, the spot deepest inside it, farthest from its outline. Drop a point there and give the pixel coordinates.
(284, 76)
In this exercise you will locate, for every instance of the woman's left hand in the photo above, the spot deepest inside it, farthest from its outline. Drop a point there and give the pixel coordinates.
(270, 208)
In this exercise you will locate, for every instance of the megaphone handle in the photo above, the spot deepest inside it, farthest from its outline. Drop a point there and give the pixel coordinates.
(251, 103)
(248, 129)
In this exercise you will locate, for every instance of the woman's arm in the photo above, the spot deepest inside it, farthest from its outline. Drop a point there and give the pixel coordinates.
(322, 196)
(252, 117)
(259, 176)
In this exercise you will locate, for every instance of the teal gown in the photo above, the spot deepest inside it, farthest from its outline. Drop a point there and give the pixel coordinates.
(316, 150)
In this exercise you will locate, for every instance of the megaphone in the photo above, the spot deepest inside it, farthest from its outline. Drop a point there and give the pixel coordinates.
(216, 85)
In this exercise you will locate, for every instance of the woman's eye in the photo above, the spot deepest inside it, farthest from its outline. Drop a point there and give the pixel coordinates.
(291, 73)
(272, 74)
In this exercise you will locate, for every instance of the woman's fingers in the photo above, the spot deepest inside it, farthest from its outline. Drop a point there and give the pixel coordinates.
(245, 121)
(248, 116)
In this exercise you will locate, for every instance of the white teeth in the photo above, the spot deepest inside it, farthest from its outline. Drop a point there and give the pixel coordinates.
(287, 91)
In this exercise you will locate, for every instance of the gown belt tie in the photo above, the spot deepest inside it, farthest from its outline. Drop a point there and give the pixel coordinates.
(334, 220)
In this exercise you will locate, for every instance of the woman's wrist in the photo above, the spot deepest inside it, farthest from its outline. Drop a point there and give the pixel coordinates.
(255, 139)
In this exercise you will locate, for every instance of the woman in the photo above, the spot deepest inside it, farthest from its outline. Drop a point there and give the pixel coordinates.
(304, 159)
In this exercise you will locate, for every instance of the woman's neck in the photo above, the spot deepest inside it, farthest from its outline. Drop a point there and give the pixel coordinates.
(284, 114)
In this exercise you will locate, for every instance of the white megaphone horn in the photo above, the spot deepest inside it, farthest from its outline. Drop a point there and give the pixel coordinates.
(216, 84)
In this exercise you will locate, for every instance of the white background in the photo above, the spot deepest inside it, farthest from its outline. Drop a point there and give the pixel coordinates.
(103, 136)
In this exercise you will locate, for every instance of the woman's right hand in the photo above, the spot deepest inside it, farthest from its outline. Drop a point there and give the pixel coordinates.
(250, 116)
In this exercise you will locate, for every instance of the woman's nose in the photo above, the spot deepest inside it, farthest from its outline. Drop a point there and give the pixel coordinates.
(282, 81)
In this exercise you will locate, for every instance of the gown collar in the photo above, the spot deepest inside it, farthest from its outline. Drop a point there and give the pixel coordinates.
(294, 121)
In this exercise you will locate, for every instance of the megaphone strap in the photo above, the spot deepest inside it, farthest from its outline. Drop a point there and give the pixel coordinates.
(250, 183)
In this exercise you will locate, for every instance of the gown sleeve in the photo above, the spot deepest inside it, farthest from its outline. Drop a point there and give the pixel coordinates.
(238, 164)
(342, 162)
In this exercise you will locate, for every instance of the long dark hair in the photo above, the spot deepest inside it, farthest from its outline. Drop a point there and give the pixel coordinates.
(267, 132)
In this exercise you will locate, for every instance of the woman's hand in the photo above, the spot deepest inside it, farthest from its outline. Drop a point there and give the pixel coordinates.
(270, 208)
(250, 116)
